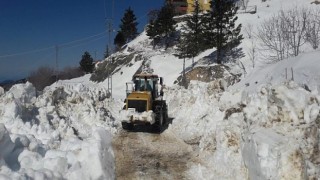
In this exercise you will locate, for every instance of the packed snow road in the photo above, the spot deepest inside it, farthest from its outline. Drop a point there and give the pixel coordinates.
(141, 155)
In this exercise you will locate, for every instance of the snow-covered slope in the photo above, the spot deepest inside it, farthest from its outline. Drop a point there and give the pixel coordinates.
(164, 64)
(303, 69)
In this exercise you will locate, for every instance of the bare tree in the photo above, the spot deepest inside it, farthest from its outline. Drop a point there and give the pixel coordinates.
(283, 35)
(248, 30)
(252, 53)
(294, 22)
(42, 77)
(313, 29)
(244, 4)
(241, 65)
(271, 37)
(70, 73)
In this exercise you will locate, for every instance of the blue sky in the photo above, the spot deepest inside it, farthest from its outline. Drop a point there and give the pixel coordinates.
(37, 26)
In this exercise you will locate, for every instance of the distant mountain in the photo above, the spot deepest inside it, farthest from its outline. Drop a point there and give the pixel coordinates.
(7, 84)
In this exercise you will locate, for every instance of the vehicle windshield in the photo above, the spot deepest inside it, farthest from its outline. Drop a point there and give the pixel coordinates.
(142, 85)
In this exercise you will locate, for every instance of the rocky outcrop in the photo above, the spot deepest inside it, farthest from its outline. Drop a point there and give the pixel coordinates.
(219, 73)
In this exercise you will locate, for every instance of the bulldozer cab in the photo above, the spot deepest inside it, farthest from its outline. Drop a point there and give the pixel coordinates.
(146, 82)
(143, 85)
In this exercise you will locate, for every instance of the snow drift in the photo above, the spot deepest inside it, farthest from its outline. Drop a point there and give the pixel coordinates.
(47, 137)
(271, 134)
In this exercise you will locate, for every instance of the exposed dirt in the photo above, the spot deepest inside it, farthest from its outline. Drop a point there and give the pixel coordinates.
(141, 155)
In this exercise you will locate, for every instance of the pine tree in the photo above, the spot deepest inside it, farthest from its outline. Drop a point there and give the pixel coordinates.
(119, 40)
(208, 24)
(151, 29)
(228, 37)
(183, 48)
(165, 22)
(152, 32)
(86, 63)
(161, 25)
(193, 32)
(128, 25)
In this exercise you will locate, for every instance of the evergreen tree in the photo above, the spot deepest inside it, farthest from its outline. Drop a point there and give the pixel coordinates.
(128, 25)
(151, 29)
(193, 32)
(163, 25)
(184, 52)
(152, 32)
(119, 40)
(208, 24)
(86, 63)
(184, 47)
(165, 22)
(227, 36)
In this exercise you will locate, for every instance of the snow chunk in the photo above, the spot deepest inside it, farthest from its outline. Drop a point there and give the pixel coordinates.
(24, 92)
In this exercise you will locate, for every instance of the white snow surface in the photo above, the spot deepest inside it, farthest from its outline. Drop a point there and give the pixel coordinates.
(264, 127)
(271, 134)
(303, 69)
(59, 134)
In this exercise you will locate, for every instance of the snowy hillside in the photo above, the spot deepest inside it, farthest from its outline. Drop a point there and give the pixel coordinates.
(303, 69)
(166, 65)
(264, 127)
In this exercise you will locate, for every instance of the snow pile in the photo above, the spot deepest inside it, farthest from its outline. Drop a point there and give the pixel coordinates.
(270, 134)
(200, 122)
(63, 133)
(282, 137)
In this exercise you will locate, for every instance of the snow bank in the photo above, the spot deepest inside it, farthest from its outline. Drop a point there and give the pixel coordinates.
(62, 133)
(282, 139)
(199, 122)
(270, 134)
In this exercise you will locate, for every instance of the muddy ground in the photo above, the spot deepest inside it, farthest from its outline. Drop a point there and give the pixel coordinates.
(147, 155)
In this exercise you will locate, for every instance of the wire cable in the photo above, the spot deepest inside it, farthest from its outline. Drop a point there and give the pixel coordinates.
(53, 47)
(81, 43)
(27, 52)
(66, 45)
(82, 39)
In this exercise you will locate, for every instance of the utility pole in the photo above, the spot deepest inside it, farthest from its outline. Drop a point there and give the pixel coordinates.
(110, 73)
(110, 30)
(57, 67)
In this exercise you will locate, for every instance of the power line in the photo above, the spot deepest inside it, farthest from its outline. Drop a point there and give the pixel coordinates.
(64, 45)
(76, 43)
(27, 52)
(82, 39)
(84, 42)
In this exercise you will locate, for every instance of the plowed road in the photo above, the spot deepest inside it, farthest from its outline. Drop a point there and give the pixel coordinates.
(142, 155)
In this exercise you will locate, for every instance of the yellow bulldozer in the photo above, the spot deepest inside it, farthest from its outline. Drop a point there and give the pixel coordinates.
(144, 103)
